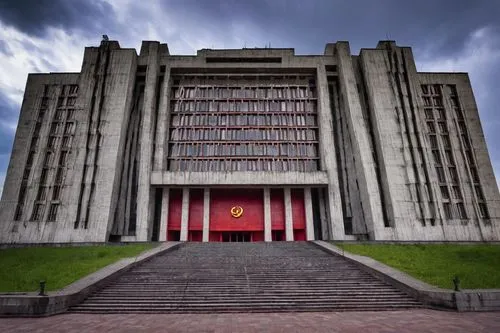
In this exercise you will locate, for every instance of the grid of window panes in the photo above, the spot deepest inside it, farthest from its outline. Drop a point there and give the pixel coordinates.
(61, 132)
(238, 123)
(466, 144)
(442, 152)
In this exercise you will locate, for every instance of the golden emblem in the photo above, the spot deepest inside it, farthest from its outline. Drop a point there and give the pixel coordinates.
(237, 211)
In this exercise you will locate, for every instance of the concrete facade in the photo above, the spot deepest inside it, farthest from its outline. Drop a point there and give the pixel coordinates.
(399, 154)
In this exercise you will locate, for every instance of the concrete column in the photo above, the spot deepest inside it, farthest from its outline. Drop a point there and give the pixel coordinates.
(309, 214)
(144, 193)
(162, 237)
(327, 150)
(288, 215)
(267, 215)
(206, 214)
(185, 215)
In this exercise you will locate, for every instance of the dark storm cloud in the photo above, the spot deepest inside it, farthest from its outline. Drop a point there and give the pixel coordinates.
(445, 23)
(33, 17)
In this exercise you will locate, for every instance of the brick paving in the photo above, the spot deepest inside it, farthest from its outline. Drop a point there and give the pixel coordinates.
(422, 320)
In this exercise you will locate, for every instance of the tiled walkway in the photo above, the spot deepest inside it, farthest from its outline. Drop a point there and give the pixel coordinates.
(365, 322)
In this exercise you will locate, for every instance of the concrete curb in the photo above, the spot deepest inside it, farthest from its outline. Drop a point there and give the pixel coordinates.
(462, 301)
(32, 305)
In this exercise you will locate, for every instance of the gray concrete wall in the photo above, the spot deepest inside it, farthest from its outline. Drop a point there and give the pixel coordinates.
(376, 166)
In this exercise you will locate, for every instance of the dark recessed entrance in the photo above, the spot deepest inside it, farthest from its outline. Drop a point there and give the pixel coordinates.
(236, 236)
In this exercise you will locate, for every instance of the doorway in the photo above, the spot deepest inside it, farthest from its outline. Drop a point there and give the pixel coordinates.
(236, 236)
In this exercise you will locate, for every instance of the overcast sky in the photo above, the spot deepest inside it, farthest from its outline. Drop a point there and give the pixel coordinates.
(446, 35)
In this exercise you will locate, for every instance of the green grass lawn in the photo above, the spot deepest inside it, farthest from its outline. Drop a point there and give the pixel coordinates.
(21, 269)
(478, 266)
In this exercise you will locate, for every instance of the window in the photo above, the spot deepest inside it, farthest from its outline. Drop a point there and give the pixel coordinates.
(73, 89)
(483, 210)
(44, 175)
(462, 127)
(431, 127)
(433, 141)
(427, 101)
(52, 142)
(446, 141)
(48, 159)
(31, 157)
(447, 210)
(37, 212)
(64, 158)
(56, 193)
(442, 127)
(441, 115)
(474, 174)
(453, 174)
(19, 212)
(42, 193)
(456, 192)
(449, 157)
(425, 89)
(470, 157)
(437, 101)
(440, 174)
(59, 115)
(437, 156)
(462, 214)
(479, 193)
(59, 175)
(69, 128)
(52, 212)
(26, 173)
(71, 101)
(444, 192)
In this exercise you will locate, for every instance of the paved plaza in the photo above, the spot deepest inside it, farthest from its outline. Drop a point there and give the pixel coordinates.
(384, 321)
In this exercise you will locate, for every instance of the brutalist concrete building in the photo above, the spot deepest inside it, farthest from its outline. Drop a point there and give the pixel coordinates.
(249, 145)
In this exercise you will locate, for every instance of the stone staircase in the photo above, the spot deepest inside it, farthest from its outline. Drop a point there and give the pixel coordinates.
(245, 277)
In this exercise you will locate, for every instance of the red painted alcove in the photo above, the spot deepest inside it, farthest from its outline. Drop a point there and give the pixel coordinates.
(221, 202)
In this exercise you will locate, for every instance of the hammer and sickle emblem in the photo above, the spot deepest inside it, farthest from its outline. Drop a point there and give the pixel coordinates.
(237, 211)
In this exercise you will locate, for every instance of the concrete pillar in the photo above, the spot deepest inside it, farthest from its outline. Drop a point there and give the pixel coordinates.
(162, 237)
(327, 150)
(144, 193)
(267, 215)
(309, 214)
(185, 215)
(206, 214)
(288, 215)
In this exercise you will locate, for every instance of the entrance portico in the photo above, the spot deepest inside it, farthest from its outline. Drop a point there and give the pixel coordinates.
(236, 214)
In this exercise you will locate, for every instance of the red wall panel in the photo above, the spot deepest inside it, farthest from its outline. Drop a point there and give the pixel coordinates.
(174, 209)
(277, 209)
(298, 209)
(221, 202)
(195, 209)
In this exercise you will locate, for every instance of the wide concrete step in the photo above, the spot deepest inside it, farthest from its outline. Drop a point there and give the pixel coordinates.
(264, 277)
(253, 308)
